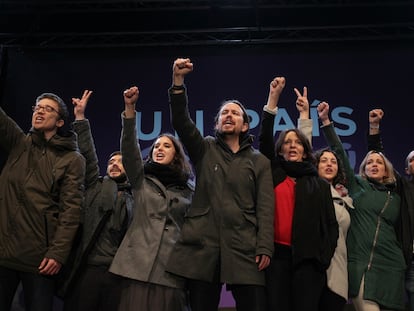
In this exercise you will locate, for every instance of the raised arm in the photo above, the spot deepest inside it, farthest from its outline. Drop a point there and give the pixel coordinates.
(131, 154)
(85, 139)
(275, 90)
(266, 139)
(79, 105)
(305, 123)
(374, 137)
(333, 141)
(10, 132)
(181, 68)
(180, 117)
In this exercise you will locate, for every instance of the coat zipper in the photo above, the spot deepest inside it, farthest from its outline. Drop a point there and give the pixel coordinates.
(46, 230)
(374, 243)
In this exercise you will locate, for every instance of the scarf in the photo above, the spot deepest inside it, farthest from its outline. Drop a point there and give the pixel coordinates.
(166, 174)
(293, 169)
(298, 169)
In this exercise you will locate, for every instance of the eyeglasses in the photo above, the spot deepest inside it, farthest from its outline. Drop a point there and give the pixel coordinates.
(46, 108)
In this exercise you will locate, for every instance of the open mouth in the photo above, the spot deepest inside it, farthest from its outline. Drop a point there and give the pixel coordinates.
(159, 156)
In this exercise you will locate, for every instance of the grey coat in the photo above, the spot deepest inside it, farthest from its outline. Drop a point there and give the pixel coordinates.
(158, 217)
(231, 219)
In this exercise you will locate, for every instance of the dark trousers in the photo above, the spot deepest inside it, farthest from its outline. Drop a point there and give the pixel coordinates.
(331, 301)
(409, 285)
(291, 288)
(96, 290)
(38, 290)
(205, 296)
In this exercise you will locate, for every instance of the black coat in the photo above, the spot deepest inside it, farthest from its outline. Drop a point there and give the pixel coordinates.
(314, 228)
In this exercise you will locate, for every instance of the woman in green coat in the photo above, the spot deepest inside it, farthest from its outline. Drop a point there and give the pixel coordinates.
(379, 233)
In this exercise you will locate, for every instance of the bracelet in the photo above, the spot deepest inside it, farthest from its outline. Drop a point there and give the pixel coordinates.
(177, 87)
(374, 127)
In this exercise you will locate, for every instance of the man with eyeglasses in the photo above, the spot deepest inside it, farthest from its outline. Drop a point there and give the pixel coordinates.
(41, 191)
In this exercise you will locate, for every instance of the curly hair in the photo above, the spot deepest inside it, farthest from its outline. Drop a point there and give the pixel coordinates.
(340, 177)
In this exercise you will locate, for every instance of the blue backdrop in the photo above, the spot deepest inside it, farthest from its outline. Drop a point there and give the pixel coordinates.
(353, 81)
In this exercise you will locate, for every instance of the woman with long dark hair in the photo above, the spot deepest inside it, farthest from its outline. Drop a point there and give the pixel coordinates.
(162, 194)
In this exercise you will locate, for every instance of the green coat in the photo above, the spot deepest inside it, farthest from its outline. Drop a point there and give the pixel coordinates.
(374, 249)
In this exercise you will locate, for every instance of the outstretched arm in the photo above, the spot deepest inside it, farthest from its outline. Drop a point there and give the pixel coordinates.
(181, 67)
(275, 90)
(323, 113)
(79, 105)
(180, 117)
(302, 103)
(305, 123)
(333, 141)
(374, 137)
(131, 154)
(85, 139)
(10, 132)
(130, 100)
(266, 141)
(375, 117)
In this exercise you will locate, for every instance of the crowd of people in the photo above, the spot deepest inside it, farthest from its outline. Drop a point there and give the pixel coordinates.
(284, 227)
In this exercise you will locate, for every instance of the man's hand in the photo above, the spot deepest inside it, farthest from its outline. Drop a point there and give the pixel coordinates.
(263, 262)
(49, 266)
(181, 67)
(79, 105)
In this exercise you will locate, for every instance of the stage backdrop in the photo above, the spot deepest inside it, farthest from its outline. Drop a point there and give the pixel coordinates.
(352, 79)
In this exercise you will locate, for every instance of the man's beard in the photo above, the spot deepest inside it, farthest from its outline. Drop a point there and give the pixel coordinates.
(120, 179)
(227, 132)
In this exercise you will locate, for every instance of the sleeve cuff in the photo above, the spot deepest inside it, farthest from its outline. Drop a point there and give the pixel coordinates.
(269, 110)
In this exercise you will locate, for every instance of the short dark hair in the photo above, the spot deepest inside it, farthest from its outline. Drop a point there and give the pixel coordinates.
(62, 110)
(114, 154)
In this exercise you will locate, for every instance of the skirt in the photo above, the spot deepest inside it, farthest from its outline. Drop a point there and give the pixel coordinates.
(137, 295)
